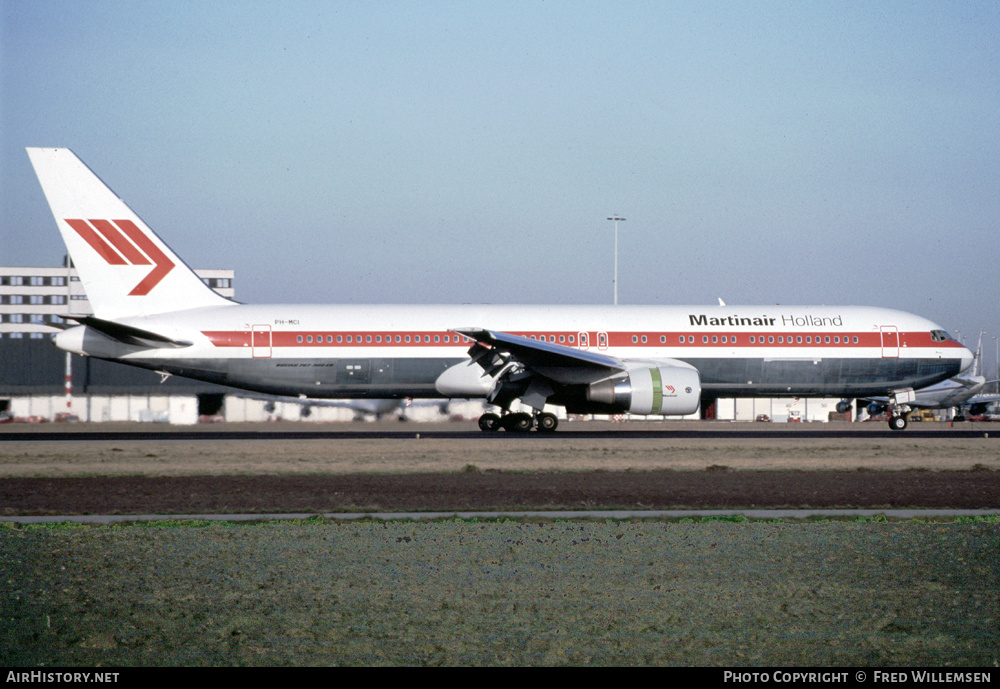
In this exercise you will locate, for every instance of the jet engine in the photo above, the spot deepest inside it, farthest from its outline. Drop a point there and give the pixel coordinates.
(874, 408)
(667, 390)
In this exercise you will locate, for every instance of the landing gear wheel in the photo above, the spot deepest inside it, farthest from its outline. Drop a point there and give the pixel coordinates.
(897, 423)
(489, 422)
(547, 422)
(518, 422)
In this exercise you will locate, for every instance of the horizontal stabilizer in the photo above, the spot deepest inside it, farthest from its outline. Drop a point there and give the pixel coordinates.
(129, 334)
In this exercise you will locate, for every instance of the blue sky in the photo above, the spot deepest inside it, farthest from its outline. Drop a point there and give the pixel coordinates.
(762, 152)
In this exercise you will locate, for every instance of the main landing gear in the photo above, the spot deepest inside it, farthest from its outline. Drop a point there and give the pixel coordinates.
(518, 422)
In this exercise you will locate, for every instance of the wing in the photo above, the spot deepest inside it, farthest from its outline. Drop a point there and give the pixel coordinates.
(981, 399)
(564, 365)
(539, 373)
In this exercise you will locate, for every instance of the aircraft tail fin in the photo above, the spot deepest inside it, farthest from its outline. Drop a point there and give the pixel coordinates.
(125, 268)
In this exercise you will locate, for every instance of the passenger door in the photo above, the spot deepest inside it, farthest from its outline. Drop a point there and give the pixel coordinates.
(890, 342)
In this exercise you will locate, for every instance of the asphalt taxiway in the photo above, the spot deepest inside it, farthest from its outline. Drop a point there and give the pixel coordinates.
(392, 430)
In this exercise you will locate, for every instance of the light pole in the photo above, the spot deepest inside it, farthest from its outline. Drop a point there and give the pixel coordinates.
(616, 218)
(996, 364)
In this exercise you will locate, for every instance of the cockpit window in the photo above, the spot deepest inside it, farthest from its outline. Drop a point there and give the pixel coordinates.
(940, 336)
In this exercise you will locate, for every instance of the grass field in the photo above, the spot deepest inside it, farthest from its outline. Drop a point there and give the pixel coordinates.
(502, 593)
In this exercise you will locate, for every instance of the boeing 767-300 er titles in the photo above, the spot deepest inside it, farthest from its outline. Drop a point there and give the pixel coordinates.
(152, 311)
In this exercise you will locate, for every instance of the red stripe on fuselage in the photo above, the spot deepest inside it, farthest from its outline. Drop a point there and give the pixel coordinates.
(618, 340)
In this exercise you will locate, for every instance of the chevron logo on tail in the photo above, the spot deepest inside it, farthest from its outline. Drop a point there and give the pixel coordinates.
(121, 243)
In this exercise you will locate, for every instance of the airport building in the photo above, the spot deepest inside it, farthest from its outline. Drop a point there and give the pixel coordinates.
(34, 380)
(33, 301)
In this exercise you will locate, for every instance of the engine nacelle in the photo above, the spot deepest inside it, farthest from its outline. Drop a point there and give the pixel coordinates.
(875, 408)
(666, 390)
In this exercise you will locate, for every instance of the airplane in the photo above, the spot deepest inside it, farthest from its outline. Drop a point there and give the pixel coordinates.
(152, 311)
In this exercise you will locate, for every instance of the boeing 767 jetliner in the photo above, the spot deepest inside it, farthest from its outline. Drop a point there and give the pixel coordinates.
(151, 310)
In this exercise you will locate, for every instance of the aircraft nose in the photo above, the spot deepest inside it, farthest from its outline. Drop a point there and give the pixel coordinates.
(967, 359)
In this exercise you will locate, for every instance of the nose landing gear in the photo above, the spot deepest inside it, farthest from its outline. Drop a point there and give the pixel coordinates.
(898, 422)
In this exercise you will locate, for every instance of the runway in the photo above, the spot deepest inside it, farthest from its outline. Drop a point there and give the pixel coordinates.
(560, 515)
(387, 430)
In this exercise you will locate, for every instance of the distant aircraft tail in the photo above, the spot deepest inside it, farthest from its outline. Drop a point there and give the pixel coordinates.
(126, 270)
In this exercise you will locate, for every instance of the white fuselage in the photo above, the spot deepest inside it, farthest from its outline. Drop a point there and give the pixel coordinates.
(402, 350)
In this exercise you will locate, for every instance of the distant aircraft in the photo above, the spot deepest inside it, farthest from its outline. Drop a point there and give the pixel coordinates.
(363, 408)
(152, 311)
(953, 392)
(977, 406)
